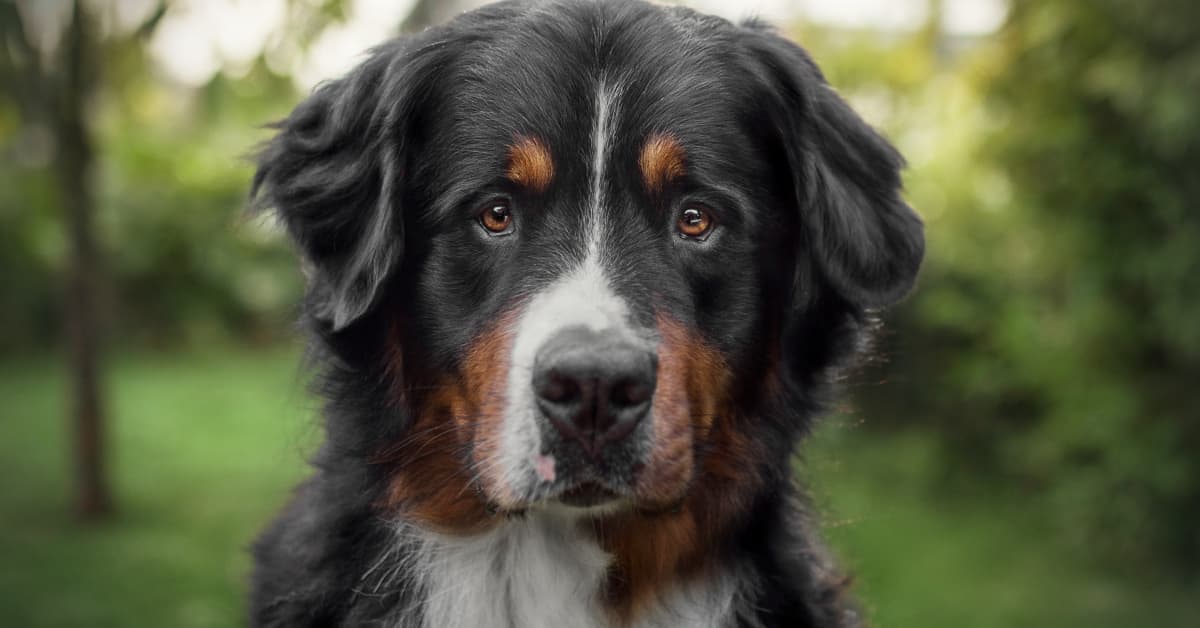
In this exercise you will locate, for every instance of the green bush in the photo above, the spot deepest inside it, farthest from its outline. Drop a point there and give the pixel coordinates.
(181, 261)
(1063, 350)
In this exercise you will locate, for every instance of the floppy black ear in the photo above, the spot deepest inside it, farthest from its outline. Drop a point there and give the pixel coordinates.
(333, 172)
(867, 241)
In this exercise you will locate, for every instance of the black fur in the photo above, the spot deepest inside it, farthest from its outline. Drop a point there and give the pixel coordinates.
(377, 177)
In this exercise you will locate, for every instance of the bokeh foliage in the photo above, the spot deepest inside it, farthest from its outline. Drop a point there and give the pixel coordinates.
(183, 262)
(1102, 142)
(1052, 349)
(1055, 338)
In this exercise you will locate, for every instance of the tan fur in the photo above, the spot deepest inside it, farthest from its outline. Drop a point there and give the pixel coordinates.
(430, 485)
(661, 162)
(530, 164)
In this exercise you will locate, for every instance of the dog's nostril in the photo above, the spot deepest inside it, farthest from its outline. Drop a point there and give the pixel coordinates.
(631, 393)
(558, 389)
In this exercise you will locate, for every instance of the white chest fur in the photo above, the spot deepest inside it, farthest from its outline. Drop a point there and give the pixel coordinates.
(535, 572)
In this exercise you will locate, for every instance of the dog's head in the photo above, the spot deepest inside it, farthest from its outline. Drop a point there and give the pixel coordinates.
(569, 253)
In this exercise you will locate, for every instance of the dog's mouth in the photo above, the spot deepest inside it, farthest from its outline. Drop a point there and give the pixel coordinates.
(587, 494)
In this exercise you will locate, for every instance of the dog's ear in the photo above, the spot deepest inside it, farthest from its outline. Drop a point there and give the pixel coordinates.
(334, 171)
(866, 241)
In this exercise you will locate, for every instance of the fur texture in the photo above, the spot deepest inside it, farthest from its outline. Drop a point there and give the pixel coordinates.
(689, 188)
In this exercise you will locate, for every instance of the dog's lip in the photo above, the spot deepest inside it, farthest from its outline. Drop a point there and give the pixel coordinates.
(587, 494)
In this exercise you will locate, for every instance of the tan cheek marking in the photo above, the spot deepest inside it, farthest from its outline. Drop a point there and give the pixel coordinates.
(530, 164)
(486, 372)
(691, 405)
(430, 483)
(691, 392)
(661, 162)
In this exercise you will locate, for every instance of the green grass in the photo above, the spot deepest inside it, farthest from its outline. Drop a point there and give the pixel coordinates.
(982, 559)
(206, 445)
(204, 449)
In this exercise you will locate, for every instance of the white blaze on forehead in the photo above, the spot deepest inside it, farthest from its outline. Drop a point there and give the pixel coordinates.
(602, 130)
(582, 297)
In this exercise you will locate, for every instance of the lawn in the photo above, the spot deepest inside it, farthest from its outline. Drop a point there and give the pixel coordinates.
(206, 444)
(204, 449)
(984, 559)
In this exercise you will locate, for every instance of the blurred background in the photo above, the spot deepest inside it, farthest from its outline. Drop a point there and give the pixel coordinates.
(1023, 452)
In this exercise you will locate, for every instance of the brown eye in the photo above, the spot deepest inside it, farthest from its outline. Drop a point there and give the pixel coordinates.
(497, 218)
(695, 222)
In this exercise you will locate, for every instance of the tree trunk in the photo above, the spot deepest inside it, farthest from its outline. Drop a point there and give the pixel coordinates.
(73, 168)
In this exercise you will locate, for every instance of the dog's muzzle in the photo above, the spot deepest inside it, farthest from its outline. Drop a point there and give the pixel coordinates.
(594, 387)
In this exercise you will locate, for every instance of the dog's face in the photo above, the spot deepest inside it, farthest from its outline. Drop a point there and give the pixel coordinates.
(583, 244)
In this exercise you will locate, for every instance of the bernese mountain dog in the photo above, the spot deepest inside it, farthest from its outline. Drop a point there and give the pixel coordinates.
(580, 275)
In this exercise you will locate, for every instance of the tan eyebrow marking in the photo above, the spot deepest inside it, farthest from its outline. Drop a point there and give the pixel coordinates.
(530, 164)
(661, 162)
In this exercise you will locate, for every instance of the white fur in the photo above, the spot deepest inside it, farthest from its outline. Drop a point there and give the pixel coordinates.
(581, 297)
(706, 603)
(606, 113)
(536, 572)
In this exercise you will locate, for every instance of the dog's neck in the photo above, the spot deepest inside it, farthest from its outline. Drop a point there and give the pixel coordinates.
(537, 571)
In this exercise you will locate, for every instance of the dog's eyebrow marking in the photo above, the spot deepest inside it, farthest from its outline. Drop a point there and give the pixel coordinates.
(661, 161)
(530, 164)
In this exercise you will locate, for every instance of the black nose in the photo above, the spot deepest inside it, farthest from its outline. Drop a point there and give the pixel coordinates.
(592, 387)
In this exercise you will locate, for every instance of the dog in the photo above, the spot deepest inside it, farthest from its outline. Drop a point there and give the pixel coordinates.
(580, 275)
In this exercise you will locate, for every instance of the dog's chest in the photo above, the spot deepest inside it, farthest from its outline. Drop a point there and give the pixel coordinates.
(538, 572)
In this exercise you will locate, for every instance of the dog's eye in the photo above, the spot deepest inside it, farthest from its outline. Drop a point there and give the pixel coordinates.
(695, 222)
(496, 217)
